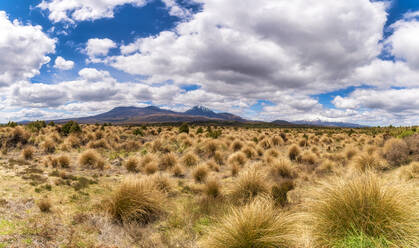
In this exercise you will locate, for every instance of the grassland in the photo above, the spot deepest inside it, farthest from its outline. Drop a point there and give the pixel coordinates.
(194, 186)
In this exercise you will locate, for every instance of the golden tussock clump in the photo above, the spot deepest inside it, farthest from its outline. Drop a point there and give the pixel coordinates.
(151, 167)
(282, 168)
(250, 152)
(48, 146)
(44, 205)
(308, 157)
(132, 164)
(190, 159)
(219, 157)
(146, 159)
(167, 160)
(200, 173)
(163, 182)
(178, 171)
(396, 151)
(237, 145)
(250, 184)
(136, 200)
(410, 171)
(212, 188)
(27, 153)
(212, 165)
(63, 161)
(350, 152)
(365, 162)
(365, 207)
(238, 158)
(257, 224)
(293, 152)
(91, 159)
(211, 147)
(277, 141)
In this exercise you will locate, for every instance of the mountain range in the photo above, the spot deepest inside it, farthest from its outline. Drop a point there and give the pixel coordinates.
(152, 114)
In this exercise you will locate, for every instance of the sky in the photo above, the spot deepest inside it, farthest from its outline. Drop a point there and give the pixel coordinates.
(332, 60)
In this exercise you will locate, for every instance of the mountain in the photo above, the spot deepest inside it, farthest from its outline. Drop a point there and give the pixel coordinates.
(328, 124)
(206, 112)
(152, 114)
(282, 123)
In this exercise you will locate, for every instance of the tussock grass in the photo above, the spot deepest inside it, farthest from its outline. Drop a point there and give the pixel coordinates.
(190, 159)
(136, 200)
(132, 164)
(200, 173)
(250, 184)
(366, 161)
(91, 159)
(293, 152)
(366, 204)
(27, 153)
(257, 224)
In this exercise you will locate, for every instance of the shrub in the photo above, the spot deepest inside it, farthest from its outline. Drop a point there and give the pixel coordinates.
(184, 128)
(35, 126)
(190, 159)
(132, 164)
(138, 132)
(396, 151)
(249, 184)
(70, 127)
(27, 153)
(366, 204)
(44, 205)
(136, 200)
(200, 173)
(257, 224)
(91, 159)
(293, 152)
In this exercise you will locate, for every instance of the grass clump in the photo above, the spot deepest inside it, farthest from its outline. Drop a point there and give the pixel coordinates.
(44, 205)
(136, 200)
(91, 159)
(200, 173)
(250, 184)
(132, 164)
(293, 152)
(27, 153)
(190, 159)
(366, 204)
(257, 224)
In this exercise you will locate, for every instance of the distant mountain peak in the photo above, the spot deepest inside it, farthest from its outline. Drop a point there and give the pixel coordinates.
(201, 108)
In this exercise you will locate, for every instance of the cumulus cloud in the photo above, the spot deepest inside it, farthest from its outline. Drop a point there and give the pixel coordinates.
(311, 49)
(23, 50)
(62, 64)
(84, 10)
(405, 40)
(96, 48)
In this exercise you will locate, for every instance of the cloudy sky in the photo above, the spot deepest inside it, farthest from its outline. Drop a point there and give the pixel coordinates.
(334, 60)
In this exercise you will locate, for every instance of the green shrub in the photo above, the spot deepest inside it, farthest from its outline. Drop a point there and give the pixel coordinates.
(184, 128)
(70, 127)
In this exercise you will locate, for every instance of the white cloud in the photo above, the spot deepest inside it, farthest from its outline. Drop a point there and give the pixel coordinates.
(62, 64)
(404, 42)
(84, 10)
(245, 46)
(176, 10)
(23, 50)
(98, 47)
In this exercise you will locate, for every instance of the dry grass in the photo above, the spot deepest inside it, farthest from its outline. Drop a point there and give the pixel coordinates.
(293, 152)
(27, 153)
(136, 200)
(91, 159)
(132, 164)
(257, 224)
(365, 204)
(200, 173)
(44, 205)
(250, 184)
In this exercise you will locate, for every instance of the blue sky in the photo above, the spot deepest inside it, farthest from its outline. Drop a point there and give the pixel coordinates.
(341, 63)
